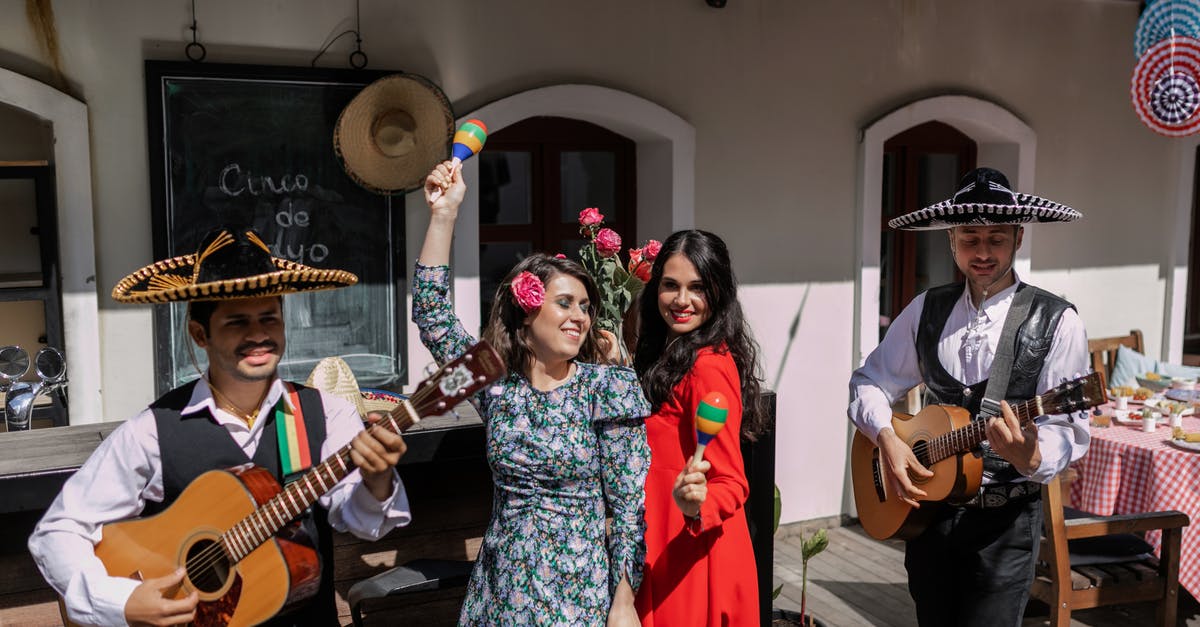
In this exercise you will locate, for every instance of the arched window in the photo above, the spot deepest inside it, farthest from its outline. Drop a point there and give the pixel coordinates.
(921, 166)
(535, 177)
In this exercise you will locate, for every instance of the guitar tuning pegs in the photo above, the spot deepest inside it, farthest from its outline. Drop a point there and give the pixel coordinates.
(430, 368)
(468, 358)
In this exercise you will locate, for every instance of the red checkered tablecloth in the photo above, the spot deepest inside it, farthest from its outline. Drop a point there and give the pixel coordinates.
(1126, 471)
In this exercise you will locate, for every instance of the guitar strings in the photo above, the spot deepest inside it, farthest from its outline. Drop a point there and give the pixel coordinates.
(205, 561)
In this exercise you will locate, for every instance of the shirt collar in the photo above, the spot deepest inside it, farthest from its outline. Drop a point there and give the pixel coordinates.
(202, 399)
(994, 302)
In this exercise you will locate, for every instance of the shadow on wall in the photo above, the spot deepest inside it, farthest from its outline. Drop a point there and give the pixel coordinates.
(791, 338)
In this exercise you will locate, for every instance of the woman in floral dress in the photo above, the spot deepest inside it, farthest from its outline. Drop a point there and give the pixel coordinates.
(565, 438)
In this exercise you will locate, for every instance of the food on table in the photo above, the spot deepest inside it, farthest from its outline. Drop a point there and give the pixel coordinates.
(1178, 433)
(1122, 390)
(1142, 394)
(1173, 407)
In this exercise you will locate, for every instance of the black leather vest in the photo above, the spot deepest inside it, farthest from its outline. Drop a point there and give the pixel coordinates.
(194, 444)
(1034, 337)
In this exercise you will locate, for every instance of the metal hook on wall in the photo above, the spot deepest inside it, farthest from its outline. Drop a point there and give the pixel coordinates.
(195, 51)
(358, 58)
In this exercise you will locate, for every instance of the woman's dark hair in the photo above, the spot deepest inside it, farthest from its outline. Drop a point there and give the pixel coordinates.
(661, 363)
(506, 330)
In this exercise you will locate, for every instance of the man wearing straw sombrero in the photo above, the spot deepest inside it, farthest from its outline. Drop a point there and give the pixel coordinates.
(238, 412)
(974, 564)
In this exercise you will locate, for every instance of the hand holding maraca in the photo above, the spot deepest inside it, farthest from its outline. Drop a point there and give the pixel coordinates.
(468, 141)
(444, 190)
(691, 486)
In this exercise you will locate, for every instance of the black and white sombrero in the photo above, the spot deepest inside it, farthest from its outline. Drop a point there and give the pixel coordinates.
(984, 198)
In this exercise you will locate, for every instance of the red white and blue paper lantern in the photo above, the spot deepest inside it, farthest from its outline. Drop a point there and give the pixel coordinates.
(1164, 88)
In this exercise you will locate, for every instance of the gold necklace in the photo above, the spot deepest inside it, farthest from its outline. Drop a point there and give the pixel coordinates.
(229, 407)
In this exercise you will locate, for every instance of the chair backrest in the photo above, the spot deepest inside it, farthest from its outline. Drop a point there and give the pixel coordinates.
(1103, 350)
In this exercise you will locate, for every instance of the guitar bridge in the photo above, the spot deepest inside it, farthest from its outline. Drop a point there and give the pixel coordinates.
(877, 476)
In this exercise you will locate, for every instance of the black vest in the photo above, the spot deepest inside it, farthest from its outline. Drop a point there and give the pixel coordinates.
(194, 444)
(1034, 337)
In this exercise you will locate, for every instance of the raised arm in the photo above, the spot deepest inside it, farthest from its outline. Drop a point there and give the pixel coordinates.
(441, 331)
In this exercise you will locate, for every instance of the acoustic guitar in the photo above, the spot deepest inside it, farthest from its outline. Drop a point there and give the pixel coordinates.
(945, 440)
(233, 529)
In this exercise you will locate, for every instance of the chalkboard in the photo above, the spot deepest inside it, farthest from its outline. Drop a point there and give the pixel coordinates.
(236, 144)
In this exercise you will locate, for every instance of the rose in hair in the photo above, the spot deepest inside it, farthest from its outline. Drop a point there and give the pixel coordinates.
(528, 290)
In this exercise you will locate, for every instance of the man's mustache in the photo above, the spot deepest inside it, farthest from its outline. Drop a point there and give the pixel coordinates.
(249, 346)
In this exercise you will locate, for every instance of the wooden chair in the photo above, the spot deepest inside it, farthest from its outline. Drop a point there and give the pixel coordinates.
(1104, 350)
(1066, 588)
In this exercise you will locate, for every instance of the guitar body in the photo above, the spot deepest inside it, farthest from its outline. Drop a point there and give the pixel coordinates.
(955, 479)
(280, 571)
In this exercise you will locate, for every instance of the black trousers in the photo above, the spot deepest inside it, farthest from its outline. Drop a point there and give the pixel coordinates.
(973, 567)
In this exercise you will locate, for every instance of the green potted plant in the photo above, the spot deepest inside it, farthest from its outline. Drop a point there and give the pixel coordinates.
(809, 547)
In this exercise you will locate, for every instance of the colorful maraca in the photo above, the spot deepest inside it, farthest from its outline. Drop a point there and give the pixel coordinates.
(710, 419)
(468, 140)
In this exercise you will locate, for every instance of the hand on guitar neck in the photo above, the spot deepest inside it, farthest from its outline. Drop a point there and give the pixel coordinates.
(1016, 444)
(375, 451)
(898, 463)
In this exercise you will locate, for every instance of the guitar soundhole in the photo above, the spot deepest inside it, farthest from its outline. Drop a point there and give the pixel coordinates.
(207, 566)
(920, 448)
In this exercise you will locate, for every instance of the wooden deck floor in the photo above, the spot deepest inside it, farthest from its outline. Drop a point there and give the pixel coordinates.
(860, 581)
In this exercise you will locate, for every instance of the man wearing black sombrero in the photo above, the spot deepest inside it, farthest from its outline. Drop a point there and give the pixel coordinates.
(974, 564)
(238, 412)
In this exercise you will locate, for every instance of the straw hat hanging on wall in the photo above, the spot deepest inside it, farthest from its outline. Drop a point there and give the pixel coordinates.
(394, 132)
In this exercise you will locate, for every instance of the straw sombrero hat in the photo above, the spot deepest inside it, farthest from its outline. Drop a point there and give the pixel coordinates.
(394, 132)
(985, 198)
(230, 263)
(333, 376)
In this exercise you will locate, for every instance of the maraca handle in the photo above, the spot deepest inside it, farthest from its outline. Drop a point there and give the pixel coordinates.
(699, 456)
(455, 164)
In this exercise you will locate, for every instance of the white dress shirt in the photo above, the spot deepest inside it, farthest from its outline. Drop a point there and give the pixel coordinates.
(966, 348)
(125, 472)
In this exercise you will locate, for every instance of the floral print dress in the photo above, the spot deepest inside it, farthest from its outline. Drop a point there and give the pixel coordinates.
(557, 459)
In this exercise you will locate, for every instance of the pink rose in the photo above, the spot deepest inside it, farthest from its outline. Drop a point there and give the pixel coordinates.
(651, 249)
(635, 257)
(528, 291)
(607, 242)
(590, 216)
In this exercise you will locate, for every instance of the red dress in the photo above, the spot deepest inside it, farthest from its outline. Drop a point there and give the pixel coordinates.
(698, 573)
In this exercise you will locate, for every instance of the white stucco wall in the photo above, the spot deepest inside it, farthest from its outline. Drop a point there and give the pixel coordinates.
(777, 93)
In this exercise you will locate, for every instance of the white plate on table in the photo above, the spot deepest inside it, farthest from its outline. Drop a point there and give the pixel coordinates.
(1187, 446)
(1127, 417)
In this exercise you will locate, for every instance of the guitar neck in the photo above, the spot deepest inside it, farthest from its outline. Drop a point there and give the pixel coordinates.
(971, 436)
(299, 495)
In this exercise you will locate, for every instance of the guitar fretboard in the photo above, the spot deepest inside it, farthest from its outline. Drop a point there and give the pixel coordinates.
(299, 495)
(971, 436)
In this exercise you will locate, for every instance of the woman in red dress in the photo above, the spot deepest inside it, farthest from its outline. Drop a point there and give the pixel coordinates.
(693, 340)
